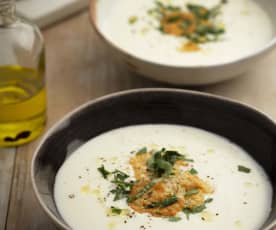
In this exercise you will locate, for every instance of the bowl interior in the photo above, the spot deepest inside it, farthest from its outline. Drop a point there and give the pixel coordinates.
(101, 8)
(242, 125)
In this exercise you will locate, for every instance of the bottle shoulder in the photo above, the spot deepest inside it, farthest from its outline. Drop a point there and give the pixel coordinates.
(21, 42)
(22, 28)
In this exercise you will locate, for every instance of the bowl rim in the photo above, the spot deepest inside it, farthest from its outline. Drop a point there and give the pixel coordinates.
(266, 48)
(63, 121)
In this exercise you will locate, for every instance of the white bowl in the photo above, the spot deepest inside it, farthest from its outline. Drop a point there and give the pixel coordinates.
(187, 75)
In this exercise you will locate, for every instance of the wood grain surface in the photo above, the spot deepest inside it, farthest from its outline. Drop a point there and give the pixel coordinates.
(7, 157)
(80, 68)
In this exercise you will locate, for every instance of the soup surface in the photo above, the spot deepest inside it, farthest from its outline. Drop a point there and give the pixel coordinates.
(136, 28)
(235, 190)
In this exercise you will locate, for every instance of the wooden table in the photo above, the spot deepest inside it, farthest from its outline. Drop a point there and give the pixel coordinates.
(80, 68)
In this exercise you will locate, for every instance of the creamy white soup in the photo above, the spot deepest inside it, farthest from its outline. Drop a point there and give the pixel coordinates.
(135, 28)
(235, 190)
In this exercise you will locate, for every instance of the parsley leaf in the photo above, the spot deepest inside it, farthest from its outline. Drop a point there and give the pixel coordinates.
(243, 169)
(195, 210)
(116, 211)
(164, 203)
(209, 200)
(104, 172)
(142, 151)
(162, 162)
(174, 218)
(142, 191)
(191, 192)
(123, 187)
(193, 171)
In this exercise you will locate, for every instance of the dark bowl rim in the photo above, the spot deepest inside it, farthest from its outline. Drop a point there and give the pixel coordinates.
(269, 46)
(62, 122)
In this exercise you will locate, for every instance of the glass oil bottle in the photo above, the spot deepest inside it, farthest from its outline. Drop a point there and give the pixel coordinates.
(22, 83)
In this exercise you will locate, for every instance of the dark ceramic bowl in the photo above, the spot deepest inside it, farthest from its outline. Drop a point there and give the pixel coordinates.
(245, 126)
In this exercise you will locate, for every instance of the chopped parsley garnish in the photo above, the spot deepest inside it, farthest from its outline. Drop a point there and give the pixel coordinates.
(132, 20)
(173, 156)
(209, 200)
(244, 169)
(191, 192)
(203, 13)
(163, 168)
(162, 162)
(199, 11)
(186, 24)
(104, 172)
(197, 209)
(188, 160)
(164, 203)
(142, 151)
(193, 171)
(161, 28)
(197, 23)
(159, 167)
(116, 211)
(142, 191)
(173, 19)
(174, 218)
(123, 187)
(119, 175)
(162, 7)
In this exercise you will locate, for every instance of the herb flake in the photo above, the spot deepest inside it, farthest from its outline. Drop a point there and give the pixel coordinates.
(174, 218)
(142, 191)
(162, 162)
(197, 209)
(196, 19)
(142, 151)
(116, 211)
(164, 203)
(193, 171)
(104, 172)
(191, 192)
(209, 200)
(132, 20)
(122, 187)
(243, 169)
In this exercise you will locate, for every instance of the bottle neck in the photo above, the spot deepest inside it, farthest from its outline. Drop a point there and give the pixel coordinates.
(7, 12)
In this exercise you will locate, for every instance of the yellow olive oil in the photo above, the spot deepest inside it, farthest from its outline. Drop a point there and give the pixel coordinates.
(22, 104)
